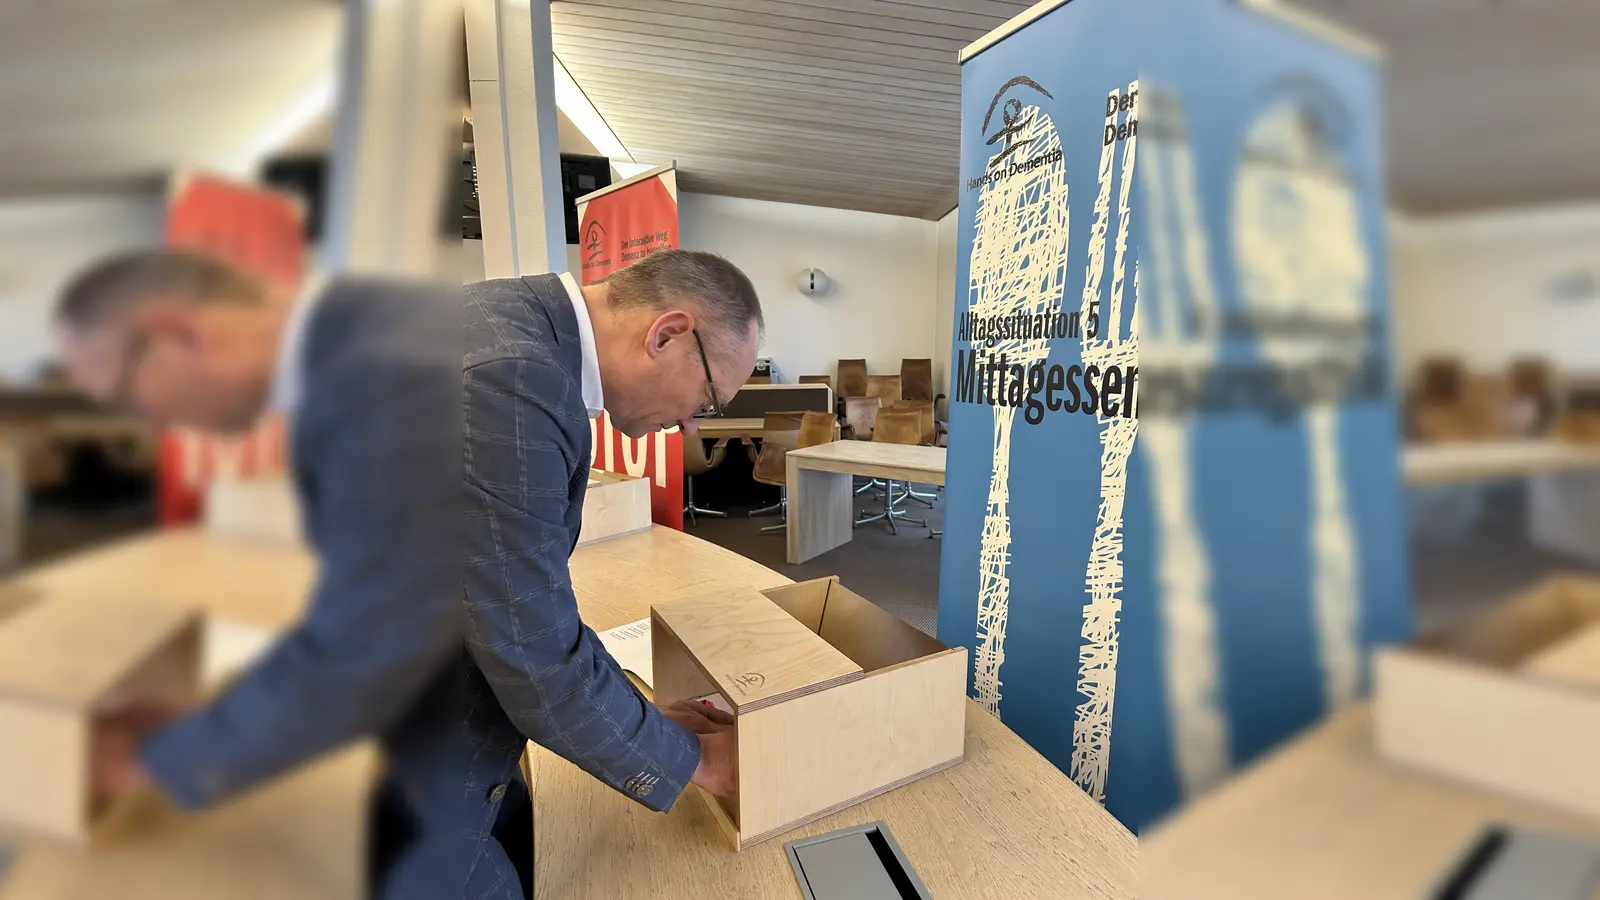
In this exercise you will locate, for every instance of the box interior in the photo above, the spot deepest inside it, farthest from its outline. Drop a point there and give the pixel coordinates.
(863, 631)
(1511, 633)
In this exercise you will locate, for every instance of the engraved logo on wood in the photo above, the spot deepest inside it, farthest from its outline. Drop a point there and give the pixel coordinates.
(748, 682)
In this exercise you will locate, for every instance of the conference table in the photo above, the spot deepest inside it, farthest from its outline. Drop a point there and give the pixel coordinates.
(1466, 461)
(1003, 824)
(821, 498)
(718, 428)
(1563, 484)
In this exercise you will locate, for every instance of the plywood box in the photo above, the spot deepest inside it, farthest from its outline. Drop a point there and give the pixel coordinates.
(614, 505)
(1509, 700)
(835, 700)
(61, 662)
(264, 507)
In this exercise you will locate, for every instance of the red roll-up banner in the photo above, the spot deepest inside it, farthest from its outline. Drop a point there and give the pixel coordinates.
(263, 231)
(618, 226)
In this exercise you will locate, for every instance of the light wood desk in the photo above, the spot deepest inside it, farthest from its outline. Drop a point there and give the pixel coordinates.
(1004, 824)
(299, 838)
(1563, 484)
(716, 429)
(821, 511)
(1326, 818)
(1460, 461)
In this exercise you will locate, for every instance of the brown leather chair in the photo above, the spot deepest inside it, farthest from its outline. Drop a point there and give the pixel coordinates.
(885, 387)
(916, 379)
(860, 413)
(896, 426)
(780, 433)
(1533, 395)
(817, 379)
(852, 378)
(696, 461)
(924, 409)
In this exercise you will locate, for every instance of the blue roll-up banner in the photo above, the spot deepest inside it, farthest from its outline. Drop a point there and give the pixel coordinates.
(1173, 529)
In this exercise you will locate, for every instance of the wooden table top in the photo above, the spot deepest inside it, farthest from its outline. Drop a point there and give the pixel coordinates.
(909, 462)
(722, 428)
(1326, 818)
(1457, 461)
(300, 838)
(1004, 824)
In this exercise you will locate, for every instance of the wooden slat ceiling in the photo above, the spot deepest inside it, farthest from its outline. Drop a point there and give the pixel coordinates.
(851, 104)
(855, 103)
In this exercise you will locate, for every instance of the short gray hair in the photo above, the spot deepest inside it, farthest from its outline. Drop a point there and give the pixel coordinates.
(716, 288)
(115, 285)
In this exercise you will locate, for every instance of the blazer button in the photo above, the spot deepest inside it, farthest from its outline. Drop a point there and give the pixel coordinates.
(497, 793)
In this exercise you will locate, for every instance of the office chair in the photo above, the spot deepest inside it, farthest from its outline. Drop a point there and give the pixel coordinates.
(852, 378)
(697, 462)
(884, 387)
(916, 379)
(810, 429)
(895, 426)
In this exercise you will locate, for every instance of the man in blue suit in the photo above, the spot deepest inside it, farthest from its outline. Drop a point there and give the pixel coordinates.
(367, 372)
(656, 344)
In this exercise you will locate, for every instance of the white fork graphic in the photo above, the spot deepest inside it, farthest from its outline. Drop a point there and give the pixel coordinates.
(1018, 264)
(1180, 330)
(1097, 658)
(1298, 244)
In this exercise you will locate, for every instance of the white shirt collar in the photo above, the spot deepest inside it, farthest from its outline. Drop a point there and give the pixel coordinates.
(286, 388)
(593, 398)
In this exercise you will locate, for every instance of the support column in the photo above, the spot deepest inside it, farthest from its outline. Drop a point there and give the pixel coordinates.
(393, 198)
(511, 70)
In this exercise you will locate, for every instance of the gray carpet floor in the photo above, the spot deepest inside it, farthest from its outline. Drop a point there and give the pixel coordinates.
(1475, 564)
(899, 572)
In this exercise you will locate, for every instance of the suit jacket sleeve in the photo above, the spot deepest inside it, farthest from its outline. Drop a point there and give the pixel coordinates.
(548, 670)
(384, 620)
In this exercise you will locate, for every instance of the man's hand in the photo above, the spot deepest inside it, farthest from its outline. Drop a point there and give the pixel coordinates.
(718, 771)
(114, 767)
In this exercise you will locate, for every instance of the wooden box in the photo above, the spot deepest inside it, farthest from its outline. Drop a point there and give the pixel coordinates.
(263, 507)
(62, 661)
(614, 505)
(1508, 700)
(835, 700)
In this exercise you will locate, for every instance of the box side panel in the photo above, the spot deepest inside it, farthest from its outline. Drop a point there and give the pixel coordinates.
(72, 652)
(823, 750)
(1509, 633)
(676, 677)
(43, 771)
(1573, 660)
(1497, 730)
(872, 637)
(616, 506)
(804, 601)
(170, 675)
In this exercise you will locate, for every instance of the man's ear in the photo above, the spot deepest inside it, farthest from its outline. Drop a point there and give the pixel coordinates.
(668, 327)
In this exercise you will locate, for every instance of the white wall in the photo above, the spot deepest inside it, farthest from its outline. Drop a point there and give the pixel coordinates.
(944, 307)
(884, 273)
(1478, 288)
(43, 243)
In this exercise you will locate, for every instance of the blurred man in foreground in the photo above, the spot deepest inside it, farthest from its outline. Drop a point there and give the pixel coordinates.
(656, 344)
(368, 374)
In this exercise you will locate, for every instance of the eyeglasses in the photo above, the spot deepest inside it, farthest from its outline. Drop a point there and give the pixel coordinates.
(715, 409)
(122, 393)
